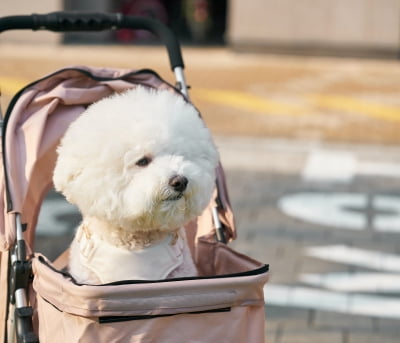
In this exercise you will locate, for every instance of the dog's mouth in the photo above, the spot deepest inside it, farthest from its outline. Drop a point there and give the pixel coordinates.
(174, 197)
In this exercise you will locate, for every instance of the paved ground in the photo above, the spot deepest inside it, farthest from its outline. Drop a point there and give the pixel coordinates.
(334, 274)
(311, 151)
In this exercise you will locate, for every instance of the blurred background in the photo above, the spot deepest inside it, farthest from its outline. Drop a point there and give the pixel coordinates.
(302, 97)
(340, 27)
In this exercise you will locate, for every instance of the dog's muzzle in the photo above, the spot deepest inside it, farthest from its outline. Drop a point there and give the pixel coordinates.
(178, 183)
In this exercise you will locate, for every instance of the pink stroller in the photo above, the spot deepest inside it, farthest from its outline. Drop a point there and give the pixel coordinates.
(39, 300)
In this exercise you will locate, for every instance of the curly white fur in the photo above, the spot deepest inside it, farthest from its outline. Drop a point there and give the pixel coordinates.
(116, 162)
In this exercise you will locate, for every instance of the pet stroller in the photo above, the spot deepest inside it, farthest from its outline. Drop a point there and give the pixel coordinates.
(39, 300)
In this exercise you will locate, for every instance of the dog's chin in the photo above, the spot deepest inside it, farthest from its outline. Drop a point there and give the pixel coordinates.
(174, 197)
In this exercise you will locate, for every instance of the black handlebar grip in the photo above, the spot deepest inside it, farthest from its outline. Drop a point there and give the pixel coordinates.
(81, 21)
(74, 21)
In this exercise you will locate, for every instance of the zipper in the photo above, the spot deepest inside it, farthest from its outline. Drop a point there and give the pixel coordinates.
(116, 319)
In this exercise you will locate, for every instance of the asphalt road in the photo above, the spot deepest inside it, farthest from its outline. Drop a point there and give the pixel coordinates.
(312, 155)
(332, 239)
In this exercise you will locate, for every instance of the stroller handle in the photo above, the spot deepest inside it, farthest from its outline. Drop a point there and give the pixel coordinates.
(88, 21)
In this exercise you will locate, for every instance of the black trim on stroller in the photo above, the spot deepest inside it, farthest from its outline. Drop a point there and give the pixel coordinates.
(258, 271)
(107, 320)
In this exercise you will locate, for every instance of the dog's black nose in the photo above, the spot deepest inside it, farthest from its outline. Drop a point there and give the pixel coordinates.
(178, 183)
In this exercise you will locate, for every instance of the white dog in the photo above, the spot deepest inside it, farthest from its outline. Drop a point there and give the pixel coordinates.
(139, 165)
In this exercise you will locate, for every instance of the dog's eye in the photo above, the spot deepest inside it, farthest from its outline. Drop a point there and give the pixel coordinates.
(143, 162)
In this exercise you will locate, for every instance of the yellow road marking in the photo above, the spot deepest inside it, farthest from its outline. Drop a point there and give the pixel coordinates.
(9, 85)
(258, 104)
(247, 102)
(350, 104)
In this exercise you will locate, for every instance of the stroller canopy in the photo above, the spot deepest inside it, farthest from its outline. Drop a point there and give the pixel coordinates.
(33, 125)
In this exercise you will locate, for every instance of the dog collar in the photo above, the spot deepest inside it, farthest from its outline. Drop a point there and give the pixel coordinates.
(111, 263)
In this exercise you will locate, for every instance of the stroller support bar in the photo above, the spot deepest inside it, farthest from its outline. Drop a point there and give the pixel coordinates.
(18, 225)
(25, 334)
(181, 82)
(87, 21)
(20, 278)
(20, 298)
(20, 248)
(21, 272)
(219, 231)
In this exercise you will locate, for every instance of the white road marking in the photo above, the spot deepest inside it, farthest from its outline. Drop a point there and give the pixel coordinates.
(314, 160)
(341, 166)
(344, 210)
(385, 169)
(340, 290)
(354, 282)
(330, 166)
(358, 257)
(311, 298)
(387, 222)
(330, 209)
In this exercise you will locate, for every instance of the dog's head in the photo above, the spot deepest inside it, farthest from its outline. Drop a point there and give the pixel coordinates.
(141, 160)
